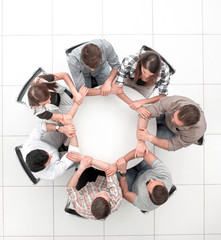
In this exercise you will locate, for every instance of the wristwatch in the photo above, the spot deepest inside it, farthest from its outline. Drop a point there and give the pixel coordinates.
(123, 174)
(57, 128)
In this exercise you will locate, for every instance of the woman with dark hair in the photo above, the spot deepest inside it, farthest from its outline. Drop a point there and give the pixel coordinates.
(144, 72)
(51, 100)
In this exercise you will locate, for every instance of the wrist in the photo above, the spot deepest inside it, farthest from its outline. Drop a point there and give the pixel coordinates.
(123, 173)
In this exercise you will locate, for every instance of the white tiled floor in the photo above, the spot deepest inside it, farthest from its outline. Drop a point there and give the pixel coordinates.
(187, 33)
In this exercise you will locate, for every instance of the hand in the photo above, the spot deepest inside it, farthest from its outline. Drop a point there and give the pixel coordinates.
(105, 89)
(116, 89)
(111, 169)
(75, 157)
(66, 119)
(78, 98)
(136, 104)
(83, 91)
(68, 130)
(122, 165)
(143, 112)
(143, 135)
(86, 162)
(140, 149)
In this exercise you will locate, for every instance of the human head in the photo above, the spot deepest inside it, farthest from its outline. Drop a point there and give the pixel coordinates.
(38, 93)
(188, 115)
(37, 160)
(91, 55)
(100, 206)
(149, 62)
(157, 191)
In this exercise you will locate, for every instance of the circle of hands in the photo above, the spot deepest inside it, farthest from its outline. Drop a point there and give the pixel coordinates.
(142, 134)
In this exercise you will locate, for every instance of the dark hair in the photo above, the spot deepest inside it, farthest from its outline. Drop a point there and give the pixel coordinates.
(39, 92)
(151, 61)
(91, 55)
(36, 160)
(100, 208)
(189, 115)
(159, 195)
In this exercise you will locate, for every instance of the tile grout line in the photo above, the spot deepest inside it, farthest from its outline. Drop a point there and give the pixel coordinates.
(2, 205)
(204, 167)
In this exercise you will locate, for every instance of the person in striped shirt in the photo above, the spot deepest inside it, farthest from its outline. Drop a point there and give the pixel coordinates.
(100, 196)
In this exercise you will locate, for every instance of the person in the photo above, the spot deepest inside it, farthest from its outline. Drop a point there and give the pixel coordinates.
(49, 99)
(93, 195)
(145, 71)
(146, 185)
(41, 148)
(94, 58)
(180, 123)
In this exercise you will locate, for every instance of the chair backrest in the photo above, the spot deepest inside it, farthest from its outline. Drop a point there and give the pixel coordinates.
(24, 165)
(25, 88)
(172, 70)
(69, 50)
(70, 210)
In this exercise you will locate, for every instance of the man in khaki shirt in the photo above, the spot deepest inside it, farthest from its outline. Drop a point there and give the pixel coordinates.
(185, 124)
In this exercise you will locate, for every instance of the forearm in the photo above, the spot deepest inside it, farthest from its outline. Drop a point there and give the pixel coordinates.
(74, 141)
(142, 123)
(70, 83)
(130, 155)
(162, 143)
(74, 180)
(74, 109)
(93, 92)
(152, 100)
(125, 98)
(123, 185)
(112, 76)
(100, 164)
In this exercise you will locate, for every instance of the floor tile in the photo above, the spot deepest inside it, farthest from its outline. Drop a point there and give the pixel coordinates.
(212, 237)
(137, 19)
(136, 223)
(1, 212)
(29, 17)
(28, 57)
(34, 205)
(1, 115)
(125, 45)
(179, 50)
(25, 120)
(180, 237)
(15, 176)
(211, 16)
(212, 159)
(212, 209)
(188, 91)
(211, 52)
(186, 164)
(66, 224)
(212, 98)
(68, 18)
(1, 162)
(177, 17)
(183, 213)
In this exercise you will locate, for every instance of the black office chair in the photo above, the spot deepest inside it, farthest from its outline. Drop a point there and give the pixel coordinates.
(200, 141)
(172, 70)
(68, 209)
(171, 192)
(69, 50)
(20, 98)
(24, 165)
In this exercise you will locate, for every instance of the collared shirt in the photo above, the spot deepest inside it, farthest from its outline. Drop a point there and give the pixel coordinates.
(160, 172)
(78, 68)
(57, 165)
(83, 198)
(128, 67)
(185, 135)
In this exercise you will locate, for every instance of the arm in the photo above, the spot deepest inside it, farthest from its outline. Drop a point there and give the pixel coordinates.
(106, 87)
(69, 82)
(144, 135)
(136, 104)
(68, 130)
(85, 163)
(122, 166)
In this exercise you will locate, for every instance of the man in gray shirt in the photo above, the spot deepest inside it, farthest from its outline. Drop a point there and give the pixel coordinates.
(183, 124)
(94, 59)
(146, 185)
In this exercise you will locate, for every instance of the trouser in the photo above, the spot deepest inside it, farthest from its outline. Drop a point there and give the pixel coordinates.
(134, 172)
(163, 132)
